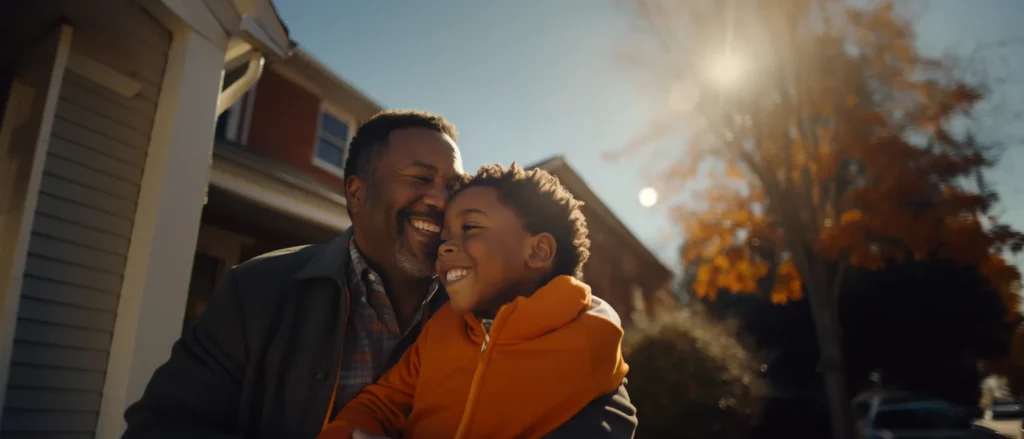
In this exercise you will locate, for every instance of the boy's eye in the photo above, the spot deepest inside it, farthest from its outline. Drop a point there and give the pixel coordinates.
(467, 227)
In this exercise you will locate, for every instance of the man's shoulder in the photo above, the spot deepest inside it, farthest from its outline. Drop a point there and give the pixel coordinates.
(284, 258)
(276, 266)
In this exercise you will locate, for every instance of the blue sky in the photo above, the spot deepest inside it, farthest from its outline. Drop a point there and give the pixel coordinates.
(527, 79)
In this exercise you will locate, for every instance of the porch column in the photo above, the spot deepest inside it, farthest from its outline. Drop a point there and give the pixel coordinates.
(154, 292)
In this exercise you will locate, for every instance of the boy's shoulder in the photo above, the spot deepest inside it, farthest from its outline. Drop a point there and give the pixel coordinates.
(599, 309)
(601, 323)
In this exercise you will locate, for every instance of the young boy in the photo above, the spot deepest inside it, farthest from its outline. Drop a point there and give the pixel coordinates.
(522, 345)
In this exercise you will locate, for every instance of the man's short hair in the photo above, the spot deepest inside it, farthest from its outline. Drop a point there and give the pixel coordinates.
(544, 205)
(371, 138)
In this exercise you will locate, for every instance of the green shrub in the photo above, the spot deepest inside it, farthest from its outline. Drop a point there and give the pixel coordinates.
(691, 377)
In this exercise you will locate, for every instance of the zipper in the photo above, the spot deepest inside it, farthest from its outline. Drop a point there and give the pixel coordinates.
(463, 429)
(337, 369)
(486, 324)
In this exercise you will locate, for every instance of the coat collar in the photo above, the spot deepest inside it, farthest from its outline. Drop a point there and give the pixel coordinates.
(329, 261)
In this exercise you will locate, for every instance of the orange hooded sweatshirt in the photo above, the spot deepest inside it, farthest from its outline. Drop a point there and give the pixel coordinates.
(545, 358)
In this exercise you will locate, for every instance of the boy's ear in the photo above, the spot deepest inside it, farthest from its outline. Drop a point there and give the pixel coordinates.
(541, 251)
(355, 193)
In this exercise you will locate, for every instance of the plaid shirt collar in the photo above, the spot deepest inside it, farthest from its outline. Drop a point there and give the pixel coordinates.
(368, 277)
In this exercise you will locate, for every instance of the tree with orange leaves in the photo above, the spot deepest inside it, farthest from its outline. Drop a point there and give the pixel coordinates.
(819, 138)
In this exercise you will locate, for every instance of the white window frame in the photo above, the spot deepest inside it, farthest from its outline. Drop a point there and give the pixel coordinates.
(336, 170)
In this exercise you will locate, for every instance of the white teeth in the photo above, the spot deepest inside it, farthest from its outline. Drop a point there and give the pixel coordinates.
(456, 274)
(426, 226)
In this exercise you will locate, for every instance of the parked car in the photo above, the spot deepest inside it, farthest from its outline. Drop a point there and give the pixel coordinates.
(1007, 409)
(927, 418)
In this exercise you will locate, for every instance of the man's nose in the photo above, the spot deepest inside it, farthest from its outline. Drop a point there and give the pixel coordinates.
(437, 196)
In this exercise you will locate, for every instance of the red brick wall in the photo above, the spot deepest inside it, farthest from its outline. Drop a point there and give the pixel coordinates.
(284, 125)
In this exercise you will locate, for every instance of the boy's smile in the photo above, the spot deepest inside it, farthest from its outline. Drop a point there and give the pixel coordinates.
(455, 274)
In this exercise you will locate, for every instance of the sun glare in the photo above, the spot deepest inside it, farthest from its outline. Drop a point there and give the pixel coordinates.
(648, 197)
(727, 69)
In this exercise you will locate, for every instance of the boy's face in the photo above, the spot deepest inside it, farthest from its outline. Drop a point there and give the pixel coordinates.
(486, 255)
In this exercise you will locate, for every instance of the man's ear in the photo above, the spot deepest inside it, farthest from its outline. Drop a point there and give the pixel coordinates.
(541, 251)
(355, 193)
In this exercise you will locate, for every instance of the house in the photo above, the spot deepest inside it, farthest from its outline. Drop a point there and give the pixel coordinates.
(107, 115)
(277, 182)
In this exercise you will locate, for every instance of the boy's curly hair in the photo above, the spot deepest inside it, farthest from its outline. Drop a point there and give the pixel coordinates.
(544, 205)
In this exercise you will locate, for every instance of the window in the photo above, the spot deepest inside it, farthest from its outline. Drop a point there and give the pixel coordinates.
(920, 418)
(330, 143)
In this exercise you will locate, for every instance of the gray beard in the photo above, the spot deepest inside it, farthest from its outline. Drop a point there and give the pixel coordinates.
(409, 263)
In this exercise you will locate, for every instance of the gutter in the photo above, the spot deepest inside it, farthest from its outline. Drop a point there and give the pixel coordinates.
(234, 92)
(260, 35)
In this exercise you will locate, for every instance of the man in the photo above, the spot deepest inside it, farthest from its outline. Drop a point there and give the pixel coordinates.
(289, 337)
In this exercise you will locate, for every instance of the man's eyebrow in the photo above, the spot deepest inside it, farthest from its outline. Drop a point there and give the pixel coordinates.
(425, 165)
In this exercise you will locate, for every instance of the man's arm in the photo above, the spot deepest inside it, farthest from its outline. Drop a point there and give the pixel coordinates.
(196, 393)
(608, 417)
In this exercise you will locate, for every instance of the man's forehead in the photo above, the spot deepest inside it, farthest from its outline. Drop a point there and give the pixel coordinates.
(427, 148)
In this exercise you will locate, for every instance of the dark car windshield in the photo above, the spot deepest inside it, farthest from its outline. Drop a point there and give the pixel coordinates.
(920, 418)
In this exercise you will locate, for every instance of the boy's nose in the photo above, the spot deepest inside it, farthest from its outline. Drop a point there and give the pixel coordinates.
(446, 247)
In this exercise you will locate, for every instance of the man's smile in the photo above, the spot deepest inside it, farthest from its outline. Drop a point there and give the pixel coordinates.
(424, 229)
(426, 226)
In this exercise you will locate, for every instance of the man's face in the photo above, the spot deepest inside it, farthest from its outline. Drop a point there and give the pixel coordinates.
(404, 201)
